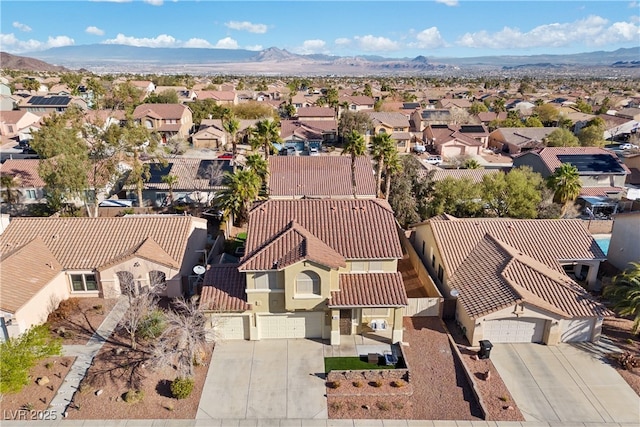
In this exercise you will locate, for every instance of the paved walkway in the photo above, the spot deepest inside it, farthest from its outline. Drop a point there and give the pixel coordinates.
(84, 355)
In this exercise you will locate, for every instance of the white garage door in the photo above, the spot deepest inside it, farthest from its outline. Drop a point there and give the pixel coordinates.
(232, 327)
(514, 330)
(576, 330)
(299, 325)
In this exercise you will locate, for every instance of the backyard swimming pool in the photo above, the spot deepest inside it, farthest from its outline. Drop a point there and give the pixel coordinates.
(603, 241)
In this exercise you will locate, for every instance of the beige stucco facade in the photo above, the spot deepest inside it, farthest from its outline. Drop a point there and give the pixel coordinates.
(624, 247)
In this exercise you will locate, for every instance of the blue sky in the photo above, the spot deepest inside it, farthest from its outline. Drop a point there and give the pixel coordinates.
(395, 29)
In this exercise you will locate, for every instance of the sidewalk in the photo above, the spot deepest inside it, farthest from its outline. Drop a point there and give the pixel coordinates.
(84, 357)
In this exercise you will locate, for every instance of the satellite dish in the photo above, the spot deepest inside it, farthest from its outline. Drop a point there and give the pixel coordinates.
(454, 293)
(198, 269)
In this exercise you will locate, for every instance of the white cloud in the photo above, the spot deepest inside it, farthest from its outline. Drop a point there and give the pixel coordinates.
(255, 47)
(371, 43)
(154, 2)
(22, 27)
(94, 30)
(448, 2)
(195, 42)
(342, 41)
(247, 26)
(592, 31)
(429, 39)
(633, 5)
(312, 46)
(163, 40)
(12, 44)
(226, 43)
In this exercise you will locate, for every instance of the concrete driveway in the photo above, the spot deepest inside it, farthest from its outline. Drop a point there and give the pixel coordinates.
(265, 379)
(564, 384)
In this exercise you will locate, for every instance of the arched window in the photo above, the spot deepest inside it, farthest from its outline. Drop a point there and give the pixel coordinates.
(127, 283)
(149, 124)
(157, 279)
(382, 130)
(308, 283)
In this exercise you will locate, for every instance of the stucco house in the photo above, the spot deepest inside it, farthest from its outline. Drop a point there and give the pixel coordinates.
(47, 104)
(18, 124)
(515, 280)
(169, 120)
(314, 268)
(47, 260)
(395, 124)
(518, 140)
(456, 140)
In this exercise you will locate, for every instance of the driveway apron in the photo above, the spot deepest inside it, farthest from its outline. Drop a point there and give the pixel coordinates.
(564, 384)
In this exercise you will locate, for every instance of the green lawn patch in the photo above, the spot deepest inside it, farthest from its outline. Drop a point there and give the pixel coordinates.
(352, 364)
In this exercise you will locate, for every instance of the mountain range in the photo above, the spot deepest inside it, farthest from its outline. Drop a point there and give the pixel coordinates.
(122, 58)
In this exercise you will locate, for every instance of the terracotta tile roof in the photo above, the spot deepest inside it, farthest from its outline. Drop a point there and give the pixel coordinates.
(600, 191)
(218, 95)
(91, 243)
(24, 170)
(509, 277)
(224, 289)
(356, 229)
(358, 100)
(525, 137)
(24, 274)
(303, 131)
(160, 111)
(370, 290)
(440, 174)
(293, 245)
(330, 125)
(547, 240)
(186, 169)
(319, 176)
(316, 112)
(442, 135)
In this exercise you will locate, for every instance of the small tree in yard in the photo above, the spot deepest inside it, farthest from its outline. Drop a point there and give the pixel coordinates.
(141, 305)
(184, 339)
(19, 355)
(624, 294)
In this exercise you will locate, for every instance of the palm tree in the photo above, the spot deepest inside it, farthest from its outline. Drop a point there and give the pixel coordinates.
(381, 147)
(241, 188)
(566, 185)
(231, 126)
(260, 166)
(471, 164)
(393, 166)
(624, 294)
(10, 193)
(267, 132)
(355, 147)
(499, 105)
(170, 180)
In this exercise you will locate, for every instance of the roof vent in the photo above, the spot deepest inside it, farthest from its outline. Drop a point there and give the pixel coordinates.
(55, 237)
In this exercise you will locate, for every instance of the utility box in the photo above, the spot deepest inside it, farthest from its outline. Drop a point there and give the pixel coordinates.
(485, 349)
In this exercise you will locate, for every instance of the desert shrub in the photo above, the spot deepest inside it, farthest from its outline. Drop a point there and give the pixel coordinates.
(66, 308)
(397, 383)
(627, 360)
(383, 406)
(333, 384)
(99, 308)
(133, 396)
(181, 388)
(67, 334)
(152, 325)
(357, 384)
(48, 365)
(376, 383)
(398, 405)
(336, 406)
(351, 406)
(19, 355)
(504, 398)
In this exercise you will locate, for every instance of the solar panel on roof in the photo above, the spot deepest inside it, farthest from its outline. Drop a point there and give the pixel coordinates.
(603, 163)
(52, 100)
(471, 129)
(157, 171)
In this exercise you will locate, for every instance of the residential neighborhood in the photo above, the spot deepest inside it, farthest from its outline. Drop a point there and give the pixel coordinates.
(228, 249)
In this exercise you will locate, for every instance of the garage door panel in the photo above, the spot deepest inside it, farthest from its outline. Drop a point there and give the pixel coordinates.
(576, 330)
(232, 327)
(299, 325)
(514, 330)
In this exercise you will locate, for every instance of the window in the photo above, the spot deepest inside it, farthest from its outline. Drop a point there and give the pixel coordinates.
(157, 278)
(440, 273)
(84, 282)
(382, 130)
(360, 266)
(376, 266)
(268, 280)
(149, 124)
(31, 194)
(307, 283)
(423, 243)
(127, 283)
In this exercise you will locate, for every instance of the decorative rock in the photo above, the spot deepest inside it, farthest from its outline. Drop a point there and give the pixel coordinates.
(117, 398)
(474, 357)
(487, 375)
(99, 392)
(42, 380)
(365, 407)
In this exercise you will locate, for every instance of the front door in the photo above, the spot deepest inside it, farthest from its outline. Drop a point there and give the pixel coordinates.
(345, 322)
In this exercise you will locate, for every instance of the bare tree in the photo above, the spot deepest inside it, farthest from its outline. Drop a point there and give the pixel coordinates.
(142, 301)
(184, 340)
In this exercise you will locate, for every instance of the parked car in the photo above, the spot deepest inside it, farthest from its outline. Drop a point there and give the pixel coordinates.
(434, 160)
(419, 149)
(628, 146)
(313, 151)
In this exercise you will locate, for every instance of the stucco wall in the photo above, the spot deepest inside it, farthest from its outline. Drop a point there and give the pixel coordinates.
(624, 246)
(37, 309)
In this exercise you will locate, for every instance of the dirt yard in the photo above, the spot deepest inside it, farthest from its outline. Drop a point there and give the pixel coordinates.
(35, 398)
(117, 369)
(76, 319)
(619, 331)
